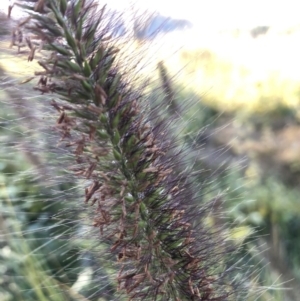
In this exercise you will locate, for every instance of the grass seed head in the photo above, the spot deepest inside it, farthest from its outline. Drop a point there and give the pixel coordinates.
(147, 210)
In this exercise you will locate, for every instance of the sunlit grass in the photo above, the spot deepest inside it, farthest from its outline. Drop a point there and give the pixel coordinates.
(237, 73)
(16, 64)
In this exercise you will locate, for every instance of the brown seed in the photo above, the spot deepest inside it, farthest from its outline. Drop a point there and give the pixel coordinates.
(39, 6)
(31, 55)
(10, 7)
(61, 118)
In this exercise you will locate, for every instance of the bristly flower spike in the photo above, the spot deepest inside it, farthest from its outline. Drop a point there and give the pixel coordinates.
(145, 205)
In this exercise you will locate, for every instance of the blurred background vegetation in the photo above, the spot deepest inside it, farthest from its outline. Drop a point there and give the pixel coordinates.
(244, 122)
